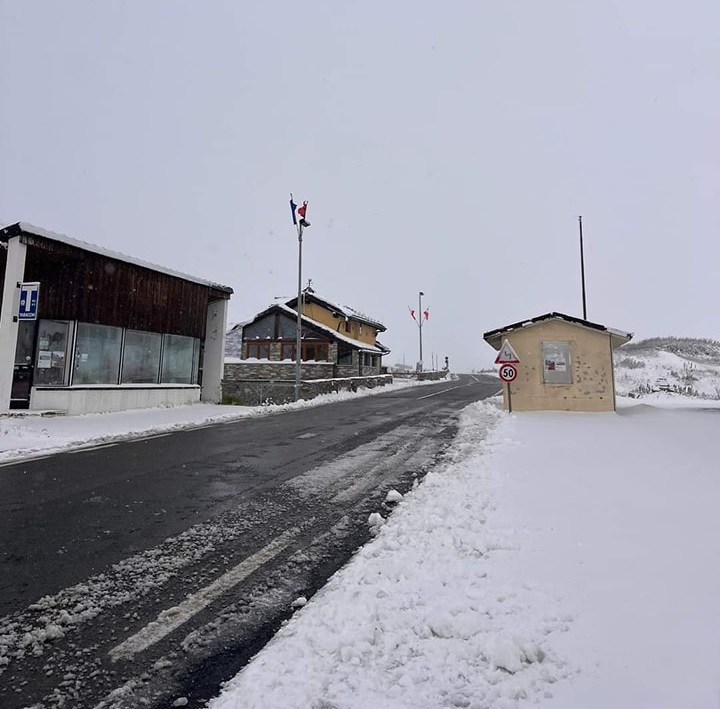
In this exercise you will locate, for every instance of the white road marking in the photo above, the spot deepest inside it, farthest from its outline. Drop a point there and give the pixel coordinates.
(30, 459)
(157, 435)
(173, 618)
(427, 396)
(85, 449)
(307, 435)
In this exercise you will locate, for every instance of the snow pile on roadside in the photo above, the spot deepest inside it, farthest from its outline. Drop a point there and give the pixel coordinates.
(416, 619)
(26, 435)
(569, 560)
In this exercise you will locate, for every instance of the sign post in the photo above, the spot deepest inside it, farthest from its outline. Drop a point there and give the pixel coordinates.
(507, 359)
(28, 307)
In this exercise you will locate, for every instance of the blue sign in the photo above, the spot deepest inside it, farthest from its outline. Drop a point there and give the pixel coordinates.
(29, 293)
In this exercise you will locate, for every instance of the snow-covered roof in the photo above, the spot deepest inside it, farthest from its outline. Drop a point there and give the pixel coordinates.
(358, 344)
(494, 337)
(24, 227)
(343, 310)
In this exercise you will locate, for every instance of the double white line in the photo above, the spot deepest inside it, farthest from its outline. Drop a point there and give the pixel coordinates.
(172, 618)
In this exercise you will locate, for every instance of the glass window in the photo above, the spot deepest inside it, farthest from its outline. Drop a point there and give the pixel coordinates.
(51, 365)
(97, 354)
(556, 363)
(287, 351)
(141, 357)
(178, 361)
(258, 350)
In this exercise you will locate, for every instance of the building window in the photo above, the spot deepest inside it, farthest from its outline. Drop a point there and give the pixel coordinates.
(97, 354)
(311, 351)
(52, 364)
(178, 360)
(141, 357)
(315, 351)
(368, 360)
(345, 353)
(556, 363)
(258, 350)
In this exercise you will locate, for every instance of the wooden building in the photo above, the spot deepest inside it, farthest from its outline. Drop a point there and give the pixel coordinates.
(339, 350)
(565, 363)
(109, 332)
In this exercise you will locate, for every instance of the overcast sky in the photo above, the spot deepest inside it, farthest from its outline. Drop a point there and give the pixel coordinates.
(443, 147)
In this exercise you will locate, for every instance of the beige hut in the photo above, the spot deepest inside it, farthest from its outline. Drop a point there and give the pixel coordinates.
(563, 363)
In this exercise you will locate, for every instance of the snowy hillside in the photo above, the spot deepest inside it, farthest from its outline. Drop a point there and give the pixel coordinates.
(682, 365)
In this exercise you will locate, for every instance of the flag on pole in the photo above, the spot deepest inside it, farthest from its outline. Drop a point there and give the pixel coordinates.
(412, 314)
(426, 313)
(302, 211)
(293, 209)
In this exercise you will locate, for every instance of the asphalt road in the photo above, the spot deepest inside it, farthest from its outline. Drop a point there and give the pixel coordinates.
(137, 572)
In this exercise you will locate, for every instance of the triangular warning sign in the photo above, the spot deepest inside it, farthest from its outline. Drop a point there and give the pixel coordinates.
(507, 354)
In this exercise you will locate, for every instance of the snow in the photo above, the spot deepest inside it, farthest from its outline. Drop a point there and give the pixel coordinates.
(554, 559)
(564, 560)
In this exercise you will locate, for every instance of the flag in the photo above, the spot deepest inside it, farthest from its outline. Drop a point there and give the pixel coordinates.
(426, 313)
(412, 314)
(302, 211)
(293, 209)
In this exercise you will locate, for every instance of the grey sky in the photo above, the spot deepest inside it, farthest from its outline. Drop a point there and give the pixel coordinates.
(443, 147)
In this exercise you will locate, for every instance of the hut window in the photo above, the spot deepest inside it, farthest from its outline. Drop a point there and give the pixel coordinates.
(556, 363)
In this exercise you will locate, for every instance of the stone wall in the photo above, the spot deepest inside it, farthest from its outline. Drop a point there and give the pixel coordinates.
(253, 391)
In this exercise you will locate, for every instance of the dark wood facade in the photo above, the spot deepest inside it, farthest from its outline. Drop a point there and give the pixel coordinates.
(95, 288)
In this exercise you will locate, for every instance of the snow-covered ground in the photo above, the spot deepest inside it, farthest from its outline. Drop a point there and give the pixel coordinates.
(555, 559)
(680, 364)
(564, 560)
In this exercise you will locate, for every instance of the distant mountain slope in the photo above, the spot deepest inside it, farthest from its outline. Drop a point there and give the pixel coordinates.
(676, 364)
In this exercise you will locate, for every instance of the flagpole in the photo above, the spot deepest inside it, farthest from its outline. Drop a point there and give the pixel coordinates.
(298, 334)
(300, 224)
(582, 269)
(420, 324)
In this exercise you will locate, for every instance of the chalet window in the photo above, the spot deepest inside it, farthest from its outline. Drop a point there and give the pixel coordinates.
(178, 360)
(344, 353)
(97, 354)
(141, 357)
(311, 351)
(556, 363)
(258, 350)
(52, 364)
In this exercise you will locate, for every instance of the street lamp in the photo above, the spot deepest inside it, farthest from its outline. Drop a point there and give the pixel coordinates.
(300, 223)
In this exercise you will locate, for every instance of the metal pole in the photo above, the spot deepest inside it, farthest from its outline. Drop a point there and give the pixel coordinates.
(509, 399)
(298, 334)
(582, 269)
(420, 324)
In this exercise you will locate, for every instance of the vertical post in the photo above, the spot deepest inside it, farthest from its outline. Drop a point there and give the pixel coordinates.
(14, 275)
(509, 398)
(298, 334)
(420, 324)
(582, 269)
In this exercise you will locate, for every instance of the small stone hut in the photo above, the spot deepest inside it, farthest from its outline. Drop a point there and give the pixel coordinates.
(565, 363)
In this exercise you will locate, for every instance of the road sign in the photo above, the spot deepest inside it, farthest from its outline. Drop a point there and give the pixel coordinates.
(29, 292)
(507, 354)
(508, 373)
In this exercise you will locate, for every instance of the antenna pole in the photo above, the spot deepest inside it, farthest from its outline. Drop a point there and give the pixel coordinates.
(582, 269)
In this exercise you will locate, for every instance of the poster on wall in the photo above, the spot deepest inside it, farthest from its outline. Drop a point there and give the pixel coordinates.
(556, 363)
(44, 360)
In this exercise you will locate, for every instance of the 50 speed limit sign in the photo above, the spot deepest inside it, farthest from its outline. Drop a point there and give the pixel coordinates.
(508, 373)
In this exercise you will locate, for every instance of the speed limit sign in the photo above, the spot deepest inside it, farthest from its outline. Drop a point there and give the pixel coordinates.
(508, 373)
